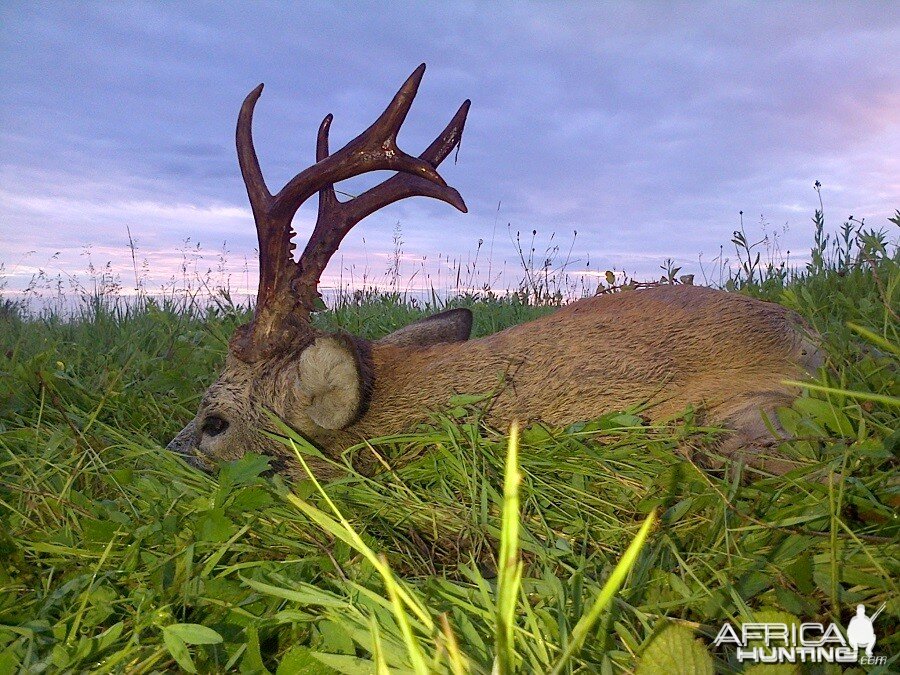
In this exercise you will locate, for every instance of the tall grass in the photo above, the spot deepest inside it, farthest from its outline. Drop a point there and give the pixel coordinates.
(482, 550)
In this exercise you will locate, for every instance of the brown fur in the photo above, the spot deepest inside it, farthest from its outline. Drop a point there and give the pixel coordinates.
(668, 347)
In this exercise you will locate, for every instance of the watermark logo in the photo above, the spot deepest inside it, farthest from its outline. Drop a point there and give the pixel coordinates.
(805, 642)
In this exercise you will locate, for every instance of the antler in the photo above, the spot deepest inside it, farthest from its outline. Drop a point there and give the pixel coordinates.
(288, 290)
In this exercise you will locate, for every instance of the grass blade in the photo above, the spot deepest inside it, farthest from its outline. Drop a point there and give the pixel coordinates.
(509, 565)
(861, 395)
(604, 598)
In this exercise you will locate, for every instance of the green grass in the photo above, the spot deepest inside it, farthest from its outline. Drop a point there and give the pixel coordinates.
(477, 552)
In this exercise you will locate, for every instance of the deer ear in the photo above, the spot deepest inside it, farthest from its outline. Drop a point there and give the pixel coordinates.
(335, 377)
(454, 325)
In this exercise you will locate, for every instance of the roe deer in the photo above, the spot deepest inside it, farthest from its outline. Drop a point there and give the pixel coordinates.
(668, 347)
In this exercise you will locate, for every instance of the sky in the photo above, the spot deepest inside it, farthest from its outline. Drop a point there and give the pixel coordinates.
(647, 128)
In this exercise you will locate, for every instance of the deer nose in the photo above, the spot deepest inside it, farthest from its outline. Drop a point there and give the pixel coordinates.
(183, 444)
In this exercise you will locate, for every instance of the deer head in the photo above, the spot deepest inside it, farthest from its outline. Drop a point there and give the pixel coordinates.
(318, 382)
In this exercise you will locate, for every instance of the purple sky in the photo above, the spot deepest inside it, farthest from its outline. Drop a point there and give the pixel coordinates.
(646, 127)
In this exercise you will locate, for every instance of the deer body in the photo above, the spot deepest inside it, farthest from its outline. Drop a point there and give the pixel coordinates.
(662, 348)
(723, 353)
(708, 348)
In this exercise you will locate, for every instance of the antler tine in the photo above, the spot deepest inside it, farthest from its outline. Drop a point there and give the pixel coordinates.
(273, 237)
(326, 194)
(389, 122)
(449, 138)
(336, 218)
(247, 159)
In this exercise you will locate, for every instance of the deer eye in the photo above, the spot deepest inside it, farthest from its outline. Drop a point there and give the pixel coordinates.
(214, 425)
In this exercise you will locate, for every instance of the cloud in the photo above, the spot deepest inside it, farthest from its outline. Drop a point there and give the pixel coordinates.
(645, 127)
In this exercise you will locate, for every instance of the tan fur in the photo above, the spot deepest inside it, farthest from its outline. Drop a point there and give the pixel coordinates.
(667, 347)
(328, 377)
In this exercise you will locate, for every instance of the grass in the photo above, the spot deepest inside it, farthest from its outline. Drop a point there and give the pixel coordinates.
(484, 550)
